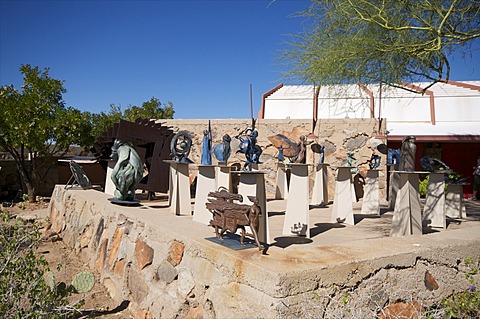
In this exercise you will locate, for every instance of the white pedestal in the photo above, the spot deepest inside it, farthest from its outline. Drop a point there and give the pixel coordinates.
(206, 183)
(296, 216)
(281, 188)
(252, 183)
(393, 186)
(407, 216)
(434, 209)
(454, 206)
(371, 197)
(342, 209)
(320, 187)
(179, 189)
(223, 178)
(109, 186)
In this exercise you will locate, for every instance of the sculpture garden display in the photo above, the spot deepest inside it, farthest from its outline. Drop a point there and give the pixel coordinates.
(231, 216)
(127, 172)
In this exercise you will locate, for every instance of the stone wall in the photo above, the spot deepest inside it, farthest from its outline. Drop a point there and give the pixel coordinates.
(339, 136)
(167, 268)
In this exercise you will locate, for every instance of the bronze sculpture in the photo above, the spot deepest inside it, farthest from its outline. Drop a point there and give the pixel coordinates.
(127, 172)
(222, 151)
(180, 147)
(231, 216)
(248, 146)
(407, 154)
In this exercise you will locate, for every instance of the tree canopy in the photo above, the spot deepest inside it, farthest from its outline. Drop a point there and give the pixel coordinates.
(389, 41)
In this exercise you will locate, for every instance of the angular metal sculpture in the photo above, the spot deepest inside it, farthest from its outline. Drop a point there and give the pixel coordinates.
(231, 216)
(223, 150)
(180, 147)
(374, 161)
(248, 146)
(127, 171)
(407, 154)
(295, 151)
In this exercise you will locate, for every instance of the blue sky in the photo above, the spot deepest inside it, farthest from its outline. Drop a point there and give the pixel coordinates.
(200, 55)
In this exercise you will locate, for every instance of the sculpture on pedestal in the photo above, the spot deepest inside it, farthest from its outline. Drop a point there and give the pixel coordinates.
(407, 154)
(127, 172)
(351, 161)
(207, 146)
(294, 151)
(180, 147)
(223, 150)
(248, 146)
(374, 161)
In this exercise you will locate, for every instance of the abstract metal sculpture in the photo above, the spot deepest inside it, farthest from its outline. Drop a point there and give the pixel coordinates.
(295, 151)
(374, 161)
(248, 146)
(207, 146)
(180, 147)
(223, 150)
(231, 216)
(127, 171)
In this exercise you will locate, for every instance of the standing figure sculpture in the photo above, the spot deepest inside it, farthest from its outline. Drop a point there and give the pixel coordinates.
(207, 147)
(127, 172)
(407, 154)
(222, 151)
(249, 147)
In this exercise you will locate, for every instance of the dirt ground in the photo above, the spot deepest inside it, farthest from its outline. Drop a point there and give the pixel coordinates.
(65, 265)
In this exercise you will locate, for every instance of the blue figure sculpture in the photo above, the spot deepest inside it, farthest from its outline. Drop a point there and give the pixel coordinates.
(322, 154)
(207, 147)
(249, 147)
(280, 156)
(374, 161)
(393, 156)
(222, 151)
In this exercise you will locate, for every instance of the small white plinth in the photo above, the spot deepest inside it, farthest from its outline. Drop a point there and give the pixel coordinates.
(252, 183)
(296, 216)
(206, 183)
(407, 216)
(371, 197)
(179, 189)
(342, 210)
(109, 186)
(320, 187)
(281, 188)
(454, 205)
(223, 178)
(434, 209)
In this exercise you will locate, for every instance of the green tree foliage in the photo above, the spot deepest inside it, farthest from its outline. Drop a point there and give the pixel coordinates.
(389, 41)
(152, 109)
(35, 125)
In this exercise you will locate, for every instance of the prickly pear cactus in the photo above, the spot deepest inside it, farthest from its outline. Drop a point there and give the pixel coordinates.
(83, 282)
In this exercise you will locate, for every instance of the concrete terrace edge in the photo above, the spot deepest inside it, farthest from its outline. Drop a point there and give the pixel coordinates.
(164, 265)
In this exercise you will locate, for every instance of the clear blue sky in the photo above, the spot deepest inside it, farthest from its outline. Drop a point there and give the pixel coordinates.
(200, 55)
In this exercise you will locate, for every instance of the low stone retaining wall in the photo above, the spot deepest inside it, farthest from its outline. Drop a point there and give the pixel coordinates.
(164, 265)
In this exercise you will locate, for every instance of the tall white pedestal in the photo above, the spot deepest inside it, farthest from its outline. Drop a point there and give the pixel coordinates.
(252, 183)
(109, 186)
(296, 220)
(407, 216)
(320, 187)
(434, 209)
(371, 196)
(206, 183)
(455, 208)
(281, 188)
(342, 210)
(223, 178)
(393, 186)
(179, 189)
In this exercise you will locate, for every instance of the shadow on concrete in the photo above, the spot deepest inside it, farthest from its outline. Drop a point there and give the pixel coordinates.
(359, 217)
(324, 227)
(286, 241)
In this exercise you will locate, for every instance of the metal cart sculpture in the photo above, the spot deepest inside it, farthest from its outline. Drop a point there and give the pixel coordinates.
(232, 216)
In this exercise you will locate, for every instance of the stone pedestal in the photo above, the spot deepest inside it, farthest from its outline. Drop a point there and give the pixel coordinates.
(179, 189)
(454, 206)
(223, 178)
(206, 183)
(342, 210)
(407, 216)
(371, 196)
(434, 209)
(296, 220)
(281, 188)
(320, 187)
(252, 183)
